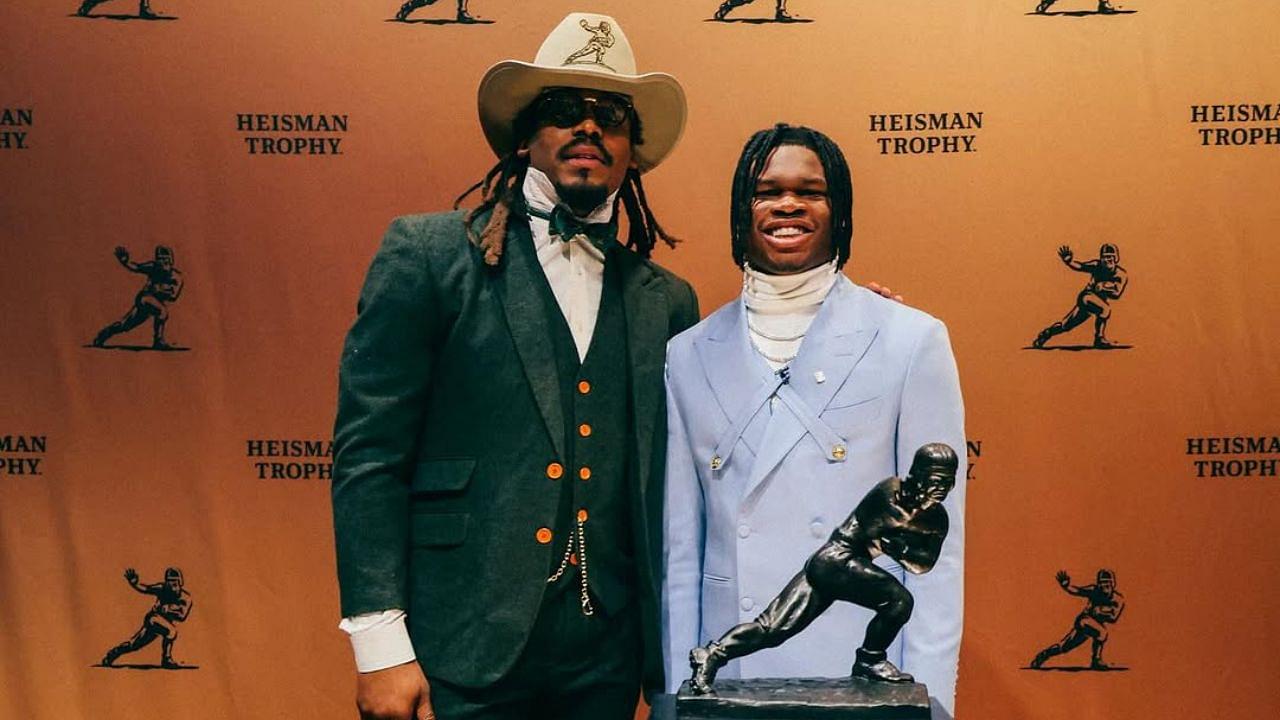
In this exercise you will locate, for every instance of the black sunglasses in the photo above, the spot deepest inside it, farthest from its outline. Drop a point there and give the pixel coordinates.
(566, 108)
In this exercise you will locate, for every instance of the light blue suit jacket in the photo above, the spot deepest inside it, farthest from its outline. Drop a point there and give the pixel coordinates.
(874, 377)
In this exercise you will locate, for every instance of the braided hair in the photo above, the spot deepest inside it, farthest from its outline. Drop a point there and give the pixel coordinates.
(755, 155)
(500, 192)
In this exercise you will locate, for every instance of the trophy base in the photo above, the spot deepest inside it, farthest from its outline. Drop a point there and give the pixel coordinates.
(805, 699)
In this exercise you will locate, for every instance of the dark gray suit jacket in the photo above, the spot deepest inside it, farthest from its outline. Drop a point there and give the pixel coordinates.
(448, 415)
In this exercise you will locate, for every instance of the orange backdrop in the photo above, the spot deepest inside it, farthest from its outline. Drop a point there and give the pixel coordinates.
(123, 132)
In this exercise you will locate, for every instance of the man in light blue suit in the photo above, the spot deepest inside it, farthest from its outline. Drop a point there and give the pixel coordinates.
(785, 407)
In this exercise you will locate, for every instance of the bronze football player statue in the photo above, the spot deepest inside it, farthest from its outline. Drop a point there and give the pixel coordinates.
(903, 519)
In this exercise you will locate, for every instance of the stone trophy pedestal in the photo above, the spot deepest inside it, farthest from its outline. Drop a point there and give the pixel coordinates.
(804, 699)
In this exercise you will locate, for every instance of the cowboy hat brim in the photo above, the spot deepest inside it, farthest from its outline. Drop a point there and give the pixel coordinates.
(508, 87)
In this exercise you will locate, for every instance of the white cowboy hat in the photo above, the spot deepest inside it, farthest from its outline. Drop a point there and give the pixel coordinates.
(589, 51)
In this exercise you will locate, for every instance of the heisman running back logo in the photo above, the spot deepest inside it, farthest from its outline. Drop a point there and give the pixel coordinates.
(599, 43)
(1103, 605)
(463, 16)
(163, 287)
(1107, 282)
(1104, 8)
(144, 12)
(171, 607)
(780, 13)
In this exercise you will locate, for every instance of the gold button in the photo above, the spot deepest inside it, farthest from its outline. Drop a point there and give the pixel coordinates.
(584, 387)
(584, 472)
(543, 535)
(838, 452)
(555, 470)
(584, 430)
(582, 515)
(573, 558)
(716, 462)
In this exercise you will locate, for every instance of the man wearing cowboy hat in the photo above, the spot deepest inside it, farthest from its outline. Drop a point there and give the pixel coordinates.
(500, 435)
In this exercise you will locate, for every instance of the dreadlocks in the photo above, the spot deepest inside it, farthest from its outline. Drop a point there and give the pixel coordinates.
(500, 192)
(752, 163)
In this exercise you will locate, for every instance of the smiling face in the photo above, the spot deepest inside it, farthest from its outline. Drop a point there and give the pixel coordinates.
(790, 214)
(585, 160)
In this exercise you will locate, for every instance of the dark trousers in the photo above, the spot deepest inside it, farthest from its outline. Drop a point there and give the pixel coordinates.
(574, 667)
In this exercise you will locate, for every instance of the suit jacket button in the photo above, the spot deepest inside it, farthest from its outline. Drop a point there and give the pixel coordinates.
(816, 528)
(716, 462)
(584, 387)
(747, 603)
(838, 452)
(555, 471)
(584, 472)
(584, 430)
(543, 535)
(743, 531)
(582, 515)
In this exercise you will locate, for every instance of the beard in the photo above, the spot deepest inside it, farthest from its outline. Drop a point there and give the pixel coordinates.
(582, 197)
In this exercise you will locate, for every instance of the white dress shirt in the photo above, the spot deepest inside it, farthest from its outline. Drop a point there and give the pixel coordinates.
(573, 266)
(575, 271)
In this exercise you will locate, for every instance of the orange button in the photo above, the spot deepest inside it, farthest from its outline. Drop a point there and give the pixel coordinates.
(584, 430)
(582, 516)
(584, 387)
(584, 472)
(573, 558)
(555, 471)
(543, 535)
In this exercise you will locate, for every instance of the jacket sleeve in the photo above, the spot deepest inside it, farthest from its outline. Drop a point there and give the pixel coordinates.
(933, 411)
(382, 383)
(683, 527)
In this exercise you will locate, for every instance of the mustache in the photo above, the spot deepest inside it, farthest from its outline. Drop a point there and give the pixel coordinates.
(594, 142)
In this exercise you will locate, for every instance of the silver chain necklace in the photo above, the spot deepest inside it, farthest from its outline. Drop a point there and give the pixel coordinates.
(780, 360)
(775, 338)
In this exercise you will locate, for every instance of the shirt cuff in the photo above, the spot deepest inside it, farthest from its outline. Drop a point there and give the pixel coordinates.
(379, 639)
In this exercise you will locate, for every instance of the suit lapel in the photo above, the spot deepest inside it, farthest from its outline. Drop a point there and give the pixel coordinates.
(731, 366)
(837, 340)
(740, 381)
(647, 314)
(519, 287)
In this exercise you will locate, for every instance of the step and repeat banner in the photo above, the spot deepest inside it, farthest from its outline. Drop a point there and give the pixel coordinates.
(190, 193)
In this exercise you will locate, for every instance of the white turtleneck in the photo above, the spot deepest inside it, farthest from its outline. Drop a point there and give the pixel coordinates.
(780, 309)
(575, 271)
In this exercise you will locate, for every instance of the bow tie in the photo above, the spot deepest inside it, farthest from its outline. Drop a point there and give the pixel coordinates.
(566, 226)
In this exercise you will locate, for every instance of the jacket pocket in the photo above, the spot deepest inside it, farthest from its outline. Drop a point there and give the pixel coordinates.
(442, 475)
(843, 417)
(439, 529)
